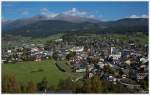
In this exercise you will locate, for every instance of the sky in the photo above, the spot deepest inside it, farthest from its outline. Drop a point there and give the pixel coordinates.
(98, 10)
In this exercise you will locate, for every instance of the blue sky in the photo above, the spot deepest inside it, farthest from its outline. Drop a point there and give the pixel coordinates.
(97, 10)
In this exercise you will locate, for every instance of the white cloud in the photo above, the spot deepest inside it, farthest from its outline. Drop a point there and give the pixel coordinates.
(92, 16)
(136, 16)
(24, 13)
(51, 15)
(133, 16)
(44, 11)
(74, 9)
(144, 16)
(47, 13)
(72, 12)
(75, 12)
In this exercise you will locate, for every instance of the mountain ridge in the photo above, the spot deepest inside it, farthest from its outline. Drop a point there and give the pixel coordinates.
(42, 26)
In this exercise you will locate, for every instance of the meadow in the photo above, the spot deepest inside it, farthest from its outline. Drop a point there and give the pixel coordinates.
(36, 71)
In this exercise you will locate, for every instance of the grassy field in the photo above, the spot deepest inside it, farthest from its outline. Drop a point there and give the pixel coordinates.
(36, 71)
(19, 40)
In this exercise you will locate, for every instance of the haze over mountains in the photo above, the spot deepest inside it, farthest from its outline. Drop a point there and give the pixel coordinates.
(41, 26)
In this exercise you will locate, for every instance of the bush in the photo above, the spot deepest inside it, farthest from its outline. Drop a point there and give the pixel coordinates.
(9, 84)
(43, 85)
(31, 87)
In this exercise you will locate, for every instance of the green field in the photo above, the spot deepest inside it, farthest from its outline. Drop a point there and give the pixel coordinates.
(20, 40)
(27, 71)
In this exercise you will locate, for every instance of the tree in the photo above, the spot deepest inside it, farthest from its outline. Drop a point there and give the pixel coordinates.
(31, 87)
(49, 42)
(120, 72)
(51, 88)
(108, 69)
(78, 87)
(109, 87)
(70, 55)
(144, 84)
(43, 85)
(94, 60)
(9, 84)
(96, 84)
(55, 56)
(93, 85)
(87, 86)
(23, 88)
(66, 84)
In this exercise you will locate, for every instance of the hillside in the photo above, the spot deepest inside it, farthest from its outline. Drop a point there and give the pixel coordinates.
(43, 28)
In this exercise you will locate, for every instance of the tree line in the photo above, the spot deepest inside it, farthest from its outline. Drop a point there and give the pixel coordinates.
(93, 85)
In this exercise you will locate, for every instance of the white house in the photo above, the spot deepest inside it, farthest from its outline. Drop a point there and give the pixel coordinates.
(77, 49)
(9, 51)
(80, 70)
(143, 60)
(58, 40)
(116, 56)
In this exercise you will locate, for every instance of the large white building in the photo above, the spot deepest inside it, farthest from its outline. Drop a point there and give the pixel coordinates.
(115, 54)
(77, 49)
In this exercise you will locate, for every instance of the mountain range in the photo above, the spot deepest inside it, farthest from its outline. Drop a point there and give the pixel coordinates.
(41, 26)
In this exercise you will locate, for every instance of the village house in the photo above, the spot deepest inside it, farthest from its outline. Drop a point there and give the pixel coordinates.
(77, 49)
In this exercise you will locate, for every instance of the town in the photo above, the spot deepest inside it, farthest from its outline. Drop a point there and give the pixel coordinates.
(113, 60)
